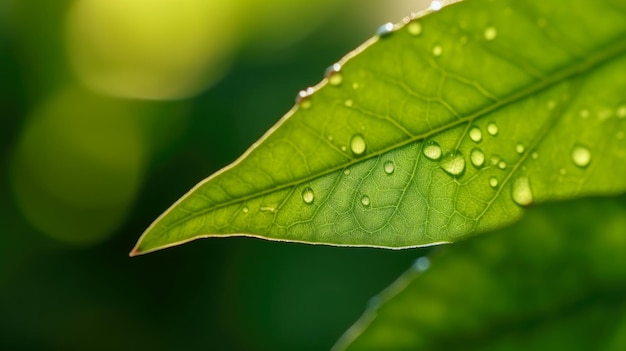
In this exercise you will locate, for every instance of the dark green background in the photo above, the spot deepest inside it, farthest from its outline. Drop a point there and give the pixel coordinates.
(234, 293)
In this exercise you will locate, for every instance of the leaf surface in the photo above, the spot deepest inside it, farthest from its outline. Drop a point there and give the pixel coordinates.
(503, 291)
(446, 126)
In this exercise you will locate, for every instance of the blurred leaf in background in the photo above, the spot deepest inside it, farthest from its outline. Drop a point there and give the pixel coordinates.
(86, 164)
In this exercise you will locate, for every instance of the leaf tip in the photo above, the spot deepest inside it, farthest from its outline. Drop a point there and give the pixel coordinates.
(135, 251)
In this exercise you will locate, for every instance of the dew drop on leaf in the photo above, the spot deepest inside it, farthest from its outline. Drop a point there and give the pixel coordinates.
(414, 28)
(385, 30)
(490, 33)
(477, 157)
(621, 111)
(348, 103)
(581, 156)
(502, 165)
(584, 113)
(346, 171)
(521, 192)
(534, 155)
(519, 148)
(475, 134)
(333, 74)
(303, 96)
(245, 209)
(308, 195)
(421, 264)
(492, 128)
(357, 144)
(437, 50)
(389, 167)
(432, 150)
(453, 163)
(365, 200)
(493, 181)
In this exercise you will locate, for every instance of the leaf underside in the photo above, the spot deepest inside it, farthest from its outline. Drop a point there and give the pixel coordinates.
(503, 291)
(447, 126)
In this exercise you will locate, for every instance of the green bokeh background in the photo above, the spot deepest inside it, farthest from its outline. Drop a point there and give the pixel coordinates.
(83, 173)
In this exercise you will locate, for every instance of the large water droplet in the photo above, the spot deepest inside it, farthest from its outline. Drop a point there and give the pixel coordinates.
(389, 167)
(436, 5)
(520, 148)
(621, 111)
(475, 134)
(492, 128)
(357, 145)
(521, 192)
(453, 163)
(421, 264)
(491, 33)
(333, 74)
(437, 50)
(477, 157)
(308, 195)
(414, 28)
(493, 181)
(385, 30)
(432, 150)
(581, 156)
(365, 200)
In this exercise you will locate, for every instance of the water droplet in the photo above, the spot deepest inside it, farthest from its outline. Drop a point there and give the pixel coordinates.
(581, 156)
(502, 165)
(414, 28)
(492, 128)
(621, 111)
(421, 264)
(365, 200)
(346, 171)
(551, 104)
(453, 163)
(534, 155)
(477, 157)
(389, 167)
(302, 98)
(437, 50)
(333, 74)
(495, 159)
(493, 181)
(355, 85)
(245, 209)
(521, 193)
(432, 150)
(562, 171)
(436, 5)
(267, 209)
(490, 33)
(357, 144)
(343, 148)
(475, 134)
(584, 113)
(348, 103)
(385, 30)
(604, 114)
(331, 138)
(308, 196)
(520, 148)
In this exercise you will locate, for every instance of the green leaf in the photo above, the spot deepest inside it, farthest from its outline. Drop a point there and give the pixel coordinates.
(445, 127)
(554, 281)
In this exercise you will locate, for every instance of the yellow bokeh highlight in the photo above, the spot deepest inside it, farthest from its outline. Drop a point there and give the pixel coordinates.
(150, 49)
(78, 166)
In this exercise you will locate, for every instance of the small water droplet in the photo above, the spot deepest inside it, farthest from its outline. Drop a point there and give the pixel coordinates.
(346, 171)
(432, 150)
(344, 148)
(493, 181)
(308, 195)
(502, 165)
(436, 5)
(475, 134)
(348, 103)
(562, 171)
(267, 209)
(303, 96)
(355, 85)
(520, 148)
(477, 157)
(534, 155)
(414, 28)
(421, 264)
(357, 145)
(453, 163)
(581, 156)
(333, 74)
(621, 111)
(365, 200)
(385, 30)
(245, 209)
(604, 114)
(490, 33)
(495, 159)
(437, 50)
(521, 192)
(492, 128)
(389, 167)
(551, 104)
(331, 138)
(584, 113)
